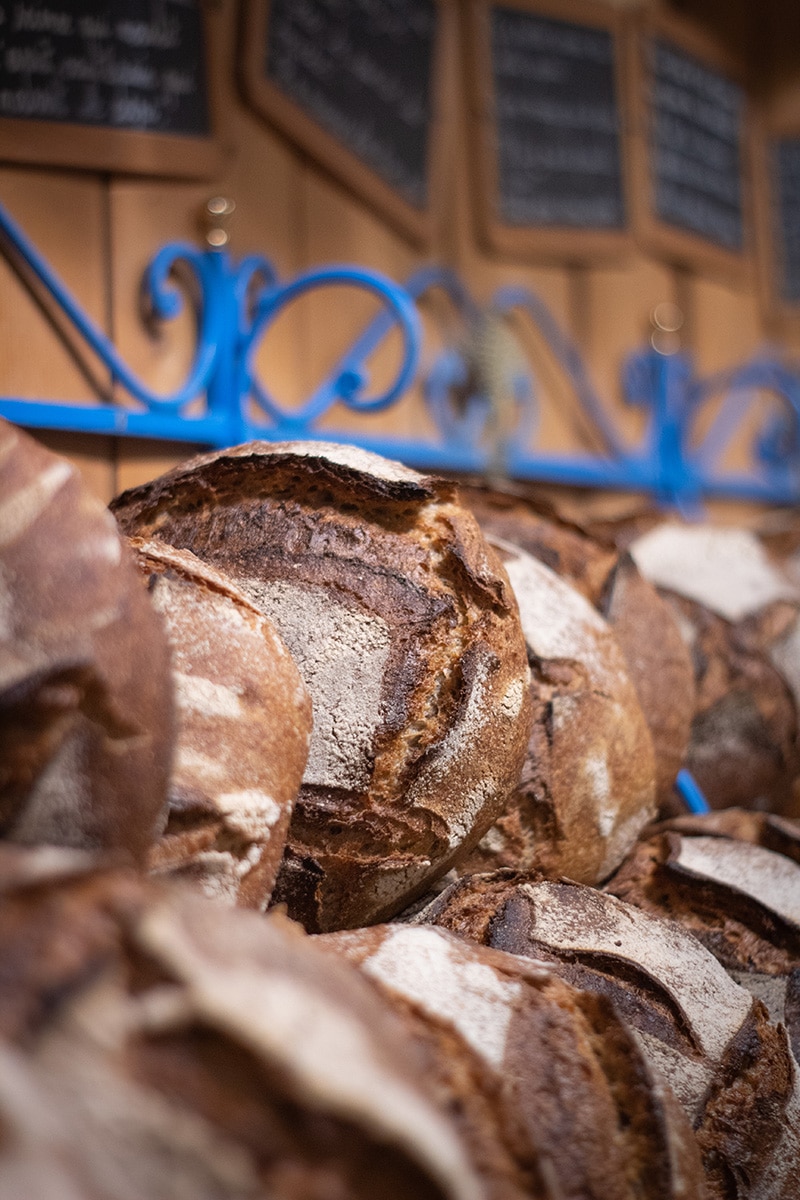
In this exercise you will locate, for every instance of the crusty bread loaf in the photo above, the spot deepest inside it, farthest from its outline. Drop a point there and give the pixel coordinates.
(86, 714)
(155, 1044)
(657, 659)
(244, 724)
(740, 618)
(588, 784)
(551, 1092)
(714, 1044)
(739, 898)
(407, 634)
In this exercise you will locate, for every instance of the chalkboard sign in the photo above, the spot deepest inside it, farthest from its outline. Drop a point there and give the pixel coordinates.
(549, 126)
(352, 82)
(113, 84)
(696, 136)
(786, 217)
(693, 147)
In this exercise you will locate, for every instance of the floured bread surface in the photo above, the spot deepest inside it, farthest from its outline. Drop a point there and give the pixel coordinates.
(725, 570)
(407, 635)
(656, 656)
(523, 1058)
(716, 1047)
(244, 725)
(85, 690)
(588, 784)
(161, 1045)
(739, 615)
(740, 899)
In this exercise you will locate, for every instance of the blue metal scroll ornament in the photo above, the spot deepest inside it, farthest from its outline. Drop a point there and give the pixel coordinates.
(236, 304)
(679, 459)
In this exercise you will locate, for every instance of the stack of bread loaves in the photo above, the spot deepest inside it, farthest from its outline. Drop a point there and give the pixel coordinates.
(303, 680)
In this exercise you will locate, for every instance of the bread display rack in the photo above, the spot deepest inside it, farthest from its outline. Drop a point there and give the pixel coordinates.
(239, 299)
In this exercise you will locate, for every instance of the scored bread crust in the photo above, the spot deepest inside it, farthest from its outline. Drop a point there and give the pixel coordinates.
(715, 1045)
(403, 624)
(657, 659)
(86, 707)
(244, 724)
(588, 783)
(552, 1094)
(167, 1045)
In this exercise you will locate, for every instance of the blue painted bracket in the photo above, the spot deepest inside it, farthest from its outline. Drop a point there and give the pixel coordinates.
(223, 400)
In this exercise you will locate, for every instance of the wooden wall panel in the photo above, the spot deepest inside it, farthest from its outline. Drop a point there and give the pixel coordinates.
(65, 216)
(99, 233)
(616, 320)
(262, 176)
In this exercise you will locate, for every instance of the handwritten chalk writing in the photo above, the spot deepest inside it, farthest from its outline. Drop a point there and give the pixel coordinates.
(34, 18)
(785, 166)
(106, 65)
(697, 117)
(555, 111)
(362, 70)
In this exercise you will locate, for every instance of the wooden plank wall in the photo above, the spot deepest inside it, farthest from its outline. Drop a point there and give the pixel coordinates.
(99, 232)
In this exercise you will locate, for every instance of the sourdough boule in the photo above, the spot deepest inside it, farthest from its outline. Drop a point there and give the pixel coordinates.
(588, 784)
(155, 1044)
(658, 661)
(407, 634)
(244, 723)
(86, 707)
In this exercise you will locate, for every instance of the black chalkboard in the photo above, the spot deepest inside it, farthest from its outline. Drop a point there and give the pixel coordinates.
(557, 124)
(786, 216)
(696, 133)
(361, 69)
(118, 64)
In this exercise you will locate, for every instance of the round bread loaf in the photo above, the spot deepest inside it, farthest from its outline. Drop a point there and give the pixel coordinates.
(735, 885)
(244, 725)
(588, 784)
(657, 659)
(86, 712)
(407, 634)
(728, 1065)
(550, 1090)
(739, 615)
(155, 1044)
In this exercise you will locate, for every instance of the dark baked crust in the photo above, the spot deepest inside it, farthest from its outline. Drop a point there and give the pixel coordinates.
(588, 784)
(658, 661)
(743, 749)
(728, 1064)
(163, 1045)
(741, 900)
(86, 716)
(406, 631)
(551, 1092)
(244, 724)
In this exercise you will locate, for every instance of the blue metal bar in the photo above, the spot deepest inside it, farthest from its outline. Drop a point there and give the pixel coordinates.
(238, 301)
(687, 788)
(506, 298)
(348, 378)
(213, 306)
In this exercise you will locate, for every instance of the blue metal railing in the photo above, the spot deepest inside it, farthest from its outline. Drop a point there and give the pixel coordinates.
(238, 301)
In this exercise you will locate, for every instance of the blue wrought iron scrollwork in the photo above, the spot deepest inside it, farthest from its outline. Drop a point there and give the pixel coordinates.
(237, 302)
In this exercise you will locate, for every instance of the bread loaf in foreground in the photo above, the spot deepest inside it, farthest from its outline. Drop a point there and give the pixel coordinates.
(551, 1092)
(407, 634)
(155, 1044)
(732, 880)
(86, 707)
(244, 724)
(730, 1067)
